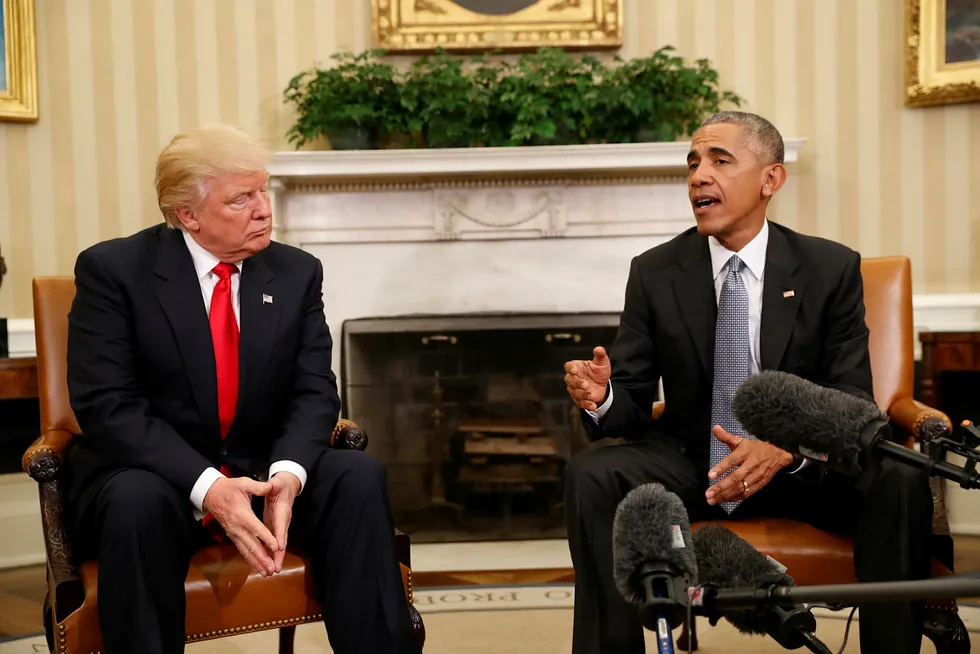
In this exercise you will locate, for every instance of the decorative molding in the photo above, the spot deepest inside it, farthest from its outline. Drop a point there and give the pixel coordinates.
(570, 191)
(20, 337)
(414, 165)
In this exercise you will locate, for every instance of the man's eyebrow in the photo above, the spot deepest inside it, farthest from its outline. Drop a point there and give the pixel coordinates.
(716, 150)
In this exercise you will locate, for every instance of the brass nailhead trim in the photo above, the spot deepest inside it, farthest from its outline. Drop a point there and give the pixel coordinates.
(261, 626)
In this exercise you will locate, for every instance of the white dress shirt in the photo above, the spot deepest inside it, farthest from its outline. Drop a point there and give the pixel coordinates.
(753, 276)
(204, 263)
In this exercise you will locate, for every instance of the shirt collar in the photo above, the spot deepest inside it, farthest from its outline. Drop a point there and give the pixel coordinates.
(204, 261)
(753, 254)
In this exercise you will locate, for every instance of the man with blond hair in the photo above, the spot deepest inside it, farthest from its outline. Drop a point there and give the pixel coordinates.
(199, 371)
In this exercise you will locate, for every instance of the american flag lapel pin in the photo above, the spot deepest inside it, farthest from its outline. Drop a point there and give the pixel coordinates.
(266, 299)
(787, 294)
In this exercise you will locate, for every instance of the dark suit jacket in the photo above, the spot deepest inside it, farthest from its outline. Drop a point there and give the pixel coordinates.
(141, 370)
(667, 329)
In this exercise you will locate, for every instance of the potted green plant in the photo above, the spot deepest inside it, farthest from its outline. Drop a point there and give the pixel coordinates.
(552, 97)
(444, 106)
(663, 99)
(350, 103)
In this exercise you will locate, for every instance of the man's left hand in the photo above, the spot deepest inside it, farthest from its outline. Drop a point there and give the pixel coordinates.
(279, 510)
(757, 463)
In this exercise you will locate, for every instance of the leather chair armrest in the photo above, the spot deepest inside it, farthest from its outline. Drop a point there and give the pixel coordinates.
(348, 436)
(42, 461)
(920, 422)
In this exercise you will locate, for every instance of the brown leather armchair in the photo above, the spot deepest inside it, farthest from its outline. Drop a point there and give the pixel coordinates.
(818, 557)
(224, 596)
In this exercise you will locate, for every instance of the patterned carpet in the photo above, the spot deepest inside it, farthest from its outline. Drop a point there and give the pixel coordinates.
(512, 620)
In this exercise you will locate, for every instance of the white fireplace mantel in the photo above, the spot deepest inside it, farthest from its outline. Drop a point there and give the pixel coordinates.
(339, 165)
(411, 195)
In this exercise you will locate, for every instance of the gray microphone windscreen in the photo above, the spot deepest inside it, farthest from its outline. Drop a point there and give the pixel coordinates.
(651, 525)
(791, 412)
(728, 561)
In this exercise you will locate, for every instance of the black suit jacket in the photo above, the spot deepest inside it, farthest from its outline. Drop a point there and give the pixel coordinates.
(667, 329)
(141, 369)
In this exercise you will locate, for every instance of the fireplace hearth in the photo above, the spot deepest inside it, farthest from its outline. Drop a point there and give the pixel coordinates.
(470, 417)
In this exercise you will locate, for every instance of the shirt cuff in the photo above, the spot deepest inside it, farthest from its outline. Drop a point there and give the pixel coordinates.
(804, 464)
(289, 466)
(601, 411)
(201, 488)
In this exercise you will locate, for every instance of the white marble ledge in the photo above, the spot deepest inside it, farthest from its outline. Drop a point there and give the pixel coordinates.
(491, 555)
(614, 158)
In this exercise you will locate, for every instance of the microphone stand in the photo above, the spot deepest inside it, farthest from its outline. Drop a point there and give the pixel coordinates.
(877, 437)
(666, 605)
(748, 599)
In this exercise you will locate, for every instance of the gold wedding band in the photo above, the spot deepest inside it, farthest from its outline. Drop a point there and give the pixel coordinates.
(745, 485)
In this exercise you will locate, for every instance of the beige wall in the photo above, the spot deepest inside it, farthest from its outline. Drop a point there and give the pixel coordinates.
(119, 77)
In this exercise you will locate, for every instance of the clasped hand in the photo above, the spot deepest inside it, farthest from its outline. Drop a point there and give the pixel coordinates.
(262, 543)
(757, 462)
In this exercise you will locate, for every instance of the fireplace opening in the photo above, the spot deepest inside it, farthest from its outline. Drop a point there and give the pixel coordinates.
(470, 417)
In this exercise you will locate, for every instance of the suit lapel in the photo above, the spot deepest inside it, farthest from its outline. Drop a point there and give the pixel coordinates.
(259, 317)
(179, 292)
(781, 296)
(695, 293)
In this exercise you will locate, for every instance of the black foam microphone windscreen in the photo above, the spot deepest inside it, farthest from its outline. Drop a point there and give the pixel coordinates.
(651, 526)
(793, 413)
(727, 561)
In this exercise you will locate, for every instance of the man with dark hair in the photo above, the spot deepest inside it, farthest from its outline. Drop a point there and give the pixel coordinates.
(722, 301)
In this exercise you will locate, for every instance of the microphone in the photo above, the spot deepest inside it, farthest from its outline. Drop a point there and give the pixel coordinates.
(828, 425)
(727, 561)
(653, 558)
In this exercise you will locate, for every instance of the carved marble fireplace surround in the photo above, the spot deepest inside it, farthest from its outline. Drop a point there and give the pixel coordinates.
(503, 230)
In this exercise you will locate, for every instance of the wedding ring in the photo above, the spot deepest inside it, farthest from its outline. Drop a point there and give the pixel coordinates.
(745, 486)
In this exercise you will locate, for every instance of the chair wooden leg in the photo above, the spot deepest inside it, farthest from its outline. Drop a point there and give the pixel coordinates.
(287, 638)
(688, 635)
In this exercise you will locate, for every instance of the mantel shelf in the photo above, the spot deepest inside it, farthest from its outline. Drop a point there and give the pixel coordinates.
(600, 160)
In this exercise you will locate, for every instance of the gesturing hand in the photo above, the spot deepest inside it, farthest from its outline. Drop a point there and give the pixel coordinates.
(757, 463)
(587, 381)
(229, 500)
(278, 512)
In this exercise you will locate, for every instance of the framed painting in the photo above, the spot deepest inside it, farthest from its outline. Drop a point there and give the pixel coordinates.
(942, 58)
(18, 61)
(415, 26)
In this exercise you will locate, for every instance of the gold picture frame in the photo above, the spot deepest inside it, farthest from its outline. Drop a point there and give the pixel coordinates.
(18, 61)
(417, 26)
(938, 71)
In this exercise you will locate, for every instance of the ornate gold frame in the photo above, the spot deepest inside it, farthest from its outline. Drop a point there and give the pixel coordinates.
(417, 26)
(928, 79)
(18, 101)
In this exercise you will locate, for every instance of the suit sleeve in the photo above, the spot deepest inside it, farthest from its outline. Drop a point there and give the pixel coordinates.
(635, 373)
(103, 388)
(847, 360)
(314, 407)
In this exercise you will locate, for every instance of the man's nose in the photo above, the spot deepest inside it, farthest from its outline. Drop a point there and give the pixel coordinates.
(264, 208)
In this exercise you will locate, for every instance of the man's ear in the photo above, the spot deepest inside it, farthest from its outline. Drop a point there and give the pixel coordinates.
(774, 180)
(187, 218)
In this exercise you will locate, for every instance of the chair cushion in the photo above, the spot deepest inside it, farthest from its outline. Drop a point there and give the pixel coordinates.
(811, 556)
(224, 597)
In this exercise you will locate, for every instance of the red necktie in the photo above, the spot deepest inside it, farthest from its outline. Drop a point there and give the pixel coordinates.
(224, 336)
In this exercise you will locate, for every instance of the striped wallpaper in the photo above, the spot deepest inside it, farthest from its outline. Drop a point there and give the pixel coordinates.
(119, 77)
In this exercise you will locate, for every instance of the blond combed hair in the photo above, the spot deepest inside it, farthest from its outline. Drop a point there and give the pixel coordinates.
(195, 157)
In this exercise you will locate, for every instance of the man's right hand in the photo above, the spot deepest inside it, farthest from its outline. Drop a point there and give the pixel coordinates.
(588, 381)
(230, 502)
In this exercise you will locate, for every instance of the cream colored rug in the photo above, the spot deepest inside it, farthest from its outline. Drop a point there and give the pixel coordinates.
(518, 620)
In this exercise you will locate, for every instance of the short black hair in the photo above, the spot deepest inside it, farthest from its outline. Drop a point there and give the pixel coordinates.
(766, 141)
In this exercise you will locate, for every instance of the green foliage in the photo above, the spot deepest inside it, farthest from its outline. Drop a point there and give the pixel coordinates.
(548, 97)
